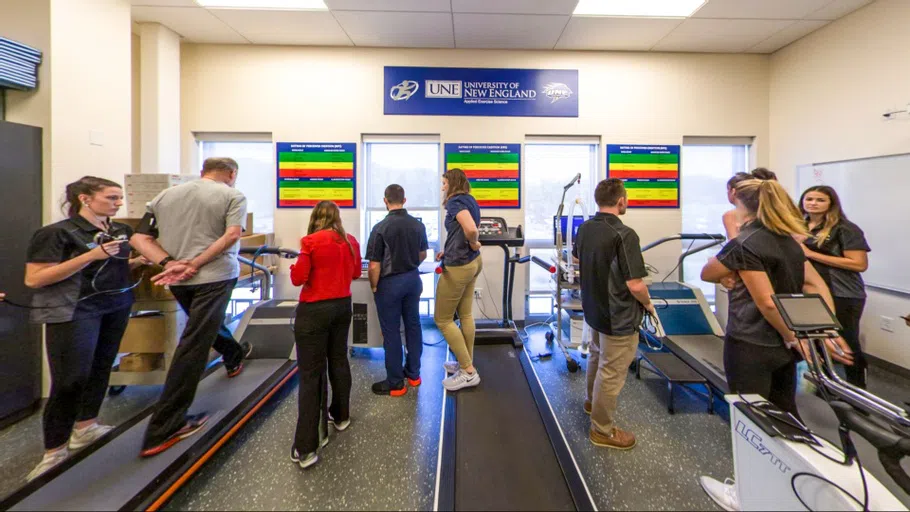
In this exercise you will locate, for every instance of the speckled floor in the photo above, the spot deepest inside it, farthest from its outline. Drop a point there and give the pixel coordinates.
(22, 445)
(387, 459)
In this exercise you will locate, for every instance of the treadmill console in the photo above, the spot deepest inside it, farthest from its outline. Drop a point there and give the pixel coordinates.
(492, 226)
(495, 231)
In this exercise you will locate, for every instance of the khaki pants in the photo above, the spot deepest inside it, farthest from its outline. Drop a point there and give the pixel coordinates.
(608, 366)
(455, 292)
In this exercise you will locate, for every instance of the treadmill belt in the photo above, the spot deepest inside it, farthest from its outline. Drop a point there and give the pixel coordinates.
(112, 476)
(504, 458)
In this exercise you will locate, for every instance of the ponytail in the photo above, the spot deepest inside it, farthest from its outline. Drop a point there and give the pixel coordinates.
(88, 186)
(772, 206)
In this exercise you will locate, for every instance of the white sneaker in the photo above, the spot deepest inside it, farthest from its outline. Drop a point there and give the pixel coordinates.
(724, 494)
(341, 426)
(451, 367)
(461, 379)
(88, 435)
(49, 462)
(304, 462)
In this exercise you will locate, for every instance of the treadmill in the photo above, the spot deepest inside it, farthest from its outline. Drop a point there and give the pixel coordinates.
(110, 475)
(501, 446)
(688, 327)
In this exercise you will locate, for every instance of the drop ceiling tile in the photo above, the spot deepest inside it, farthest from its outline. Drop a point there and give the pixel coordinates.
(195, 24)
(603, 33)
(838, 9)
(390, 5)
(759, 9)
(513, 31)
(788, 35)
(165, 3)
(723, 36)
(398, 29)
(317, 28)
(564, 7)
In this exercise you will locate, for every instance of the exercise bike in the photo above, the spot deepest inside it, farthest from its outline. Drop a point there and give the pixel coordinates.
(781, 465)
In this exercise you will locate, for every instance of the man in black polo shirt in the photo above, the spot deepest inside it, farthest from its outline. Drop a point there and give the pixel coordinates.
(396, 247)
(614, 299)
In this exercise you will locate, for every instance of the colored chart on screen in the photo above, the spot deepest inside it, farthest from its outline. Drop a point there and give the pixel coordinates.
(310, 172)
(494, 171)
(650, 173)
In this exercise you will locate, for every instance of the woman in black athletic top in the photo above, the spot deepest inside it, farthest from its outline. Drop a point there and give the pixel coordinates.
(839, 251)
(760, 353)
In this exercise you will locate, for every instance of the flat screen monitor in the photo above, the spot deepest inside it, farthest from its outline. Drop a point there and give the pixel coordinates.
(806, 312)
(563, 222)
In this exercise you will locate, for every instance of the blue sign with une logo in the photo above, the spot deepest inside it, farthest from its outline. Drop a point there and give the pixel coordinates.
(414, 91)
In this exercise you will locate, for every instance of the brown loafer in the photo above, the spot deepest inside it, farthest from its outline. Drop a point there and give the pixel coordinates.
(618, 439)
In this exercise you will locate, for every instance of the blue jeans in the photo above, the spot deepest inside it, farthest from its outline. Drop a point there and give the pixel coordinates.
(398, 297)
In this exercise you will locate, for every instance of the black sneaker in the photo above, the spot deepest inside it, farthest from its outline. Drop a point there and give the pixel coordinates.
(193, 425)
(233, 371)
(385, 388)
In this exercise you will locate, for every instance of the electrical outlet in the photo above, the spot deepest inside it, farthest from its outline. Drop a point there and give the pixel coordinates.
(887, 324)
(478, 293)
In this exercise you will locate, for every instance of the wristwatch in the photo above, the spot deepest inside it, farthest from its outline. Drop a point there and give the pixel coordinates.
(165, 261)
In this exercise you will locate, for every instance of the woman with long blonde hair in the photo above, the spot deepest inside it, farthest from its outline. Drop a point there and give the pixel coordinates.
(461, 266)
(760, 353)
(839, 251)
(329, 261)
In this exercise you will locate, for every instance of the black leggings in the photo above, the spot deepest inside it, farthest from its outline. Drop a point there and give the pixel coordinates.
(766, 371)
(321, 333)
(80, 354)
(849, 312)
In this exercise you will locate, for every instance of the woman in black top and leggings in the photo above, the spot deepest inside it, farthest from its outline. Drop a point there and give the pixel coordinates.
(80, 270)
(760, 353)
(839, 251)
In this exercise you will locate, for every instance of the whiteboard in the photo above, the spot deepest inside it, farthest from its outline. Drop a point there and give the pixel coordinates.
(875, 193)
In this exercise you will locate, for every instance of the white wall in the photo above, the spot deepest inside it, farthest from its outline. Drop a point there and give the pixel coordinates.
(828, 93)
(90, 44)
(28, 21)
(336, 94)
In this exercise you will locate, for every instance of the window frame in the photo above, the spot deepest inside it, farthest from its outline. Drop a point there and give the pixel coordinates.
(367, 142)
(594, 174)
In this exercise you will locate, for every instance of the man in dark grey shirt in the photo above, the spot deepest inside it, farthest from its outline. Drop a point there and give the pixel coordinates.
(614, 299)
(192, 231)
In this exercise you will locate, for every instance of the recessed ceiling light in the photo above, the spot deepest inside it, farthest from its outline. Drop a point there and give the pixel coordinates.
(639, 8)
(284, 5)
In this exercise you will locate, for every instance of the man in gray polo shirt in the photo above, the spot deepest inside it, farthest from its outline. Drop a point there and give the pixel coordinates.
(192, 231)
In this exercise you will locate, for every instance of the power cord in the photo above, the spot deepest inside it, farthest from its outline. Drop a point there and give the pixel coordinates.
(678, 263)
(795, 423)
(94, 287)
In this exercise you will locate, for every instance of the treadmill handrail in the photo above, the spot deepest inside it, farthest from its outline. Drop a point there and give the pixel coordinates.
(541, 263)
(266, 272)
(264, 249)
(686, 236)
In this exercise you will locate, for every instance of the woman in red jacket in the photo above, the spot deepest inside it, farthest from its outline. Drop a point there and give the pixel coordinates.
(329, 261)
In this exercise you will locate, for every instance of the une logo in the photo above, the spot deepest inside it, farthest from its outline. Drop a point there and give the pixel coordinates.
(756, 441)
(404, 90)
(557, 91)
(443, 88)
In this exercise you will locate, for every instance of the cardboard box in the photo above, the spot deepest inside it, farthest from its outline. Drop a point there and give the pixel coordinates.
(141, 362)
(145, 334)
(258, 240)
(146, 290)
(248, 225)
